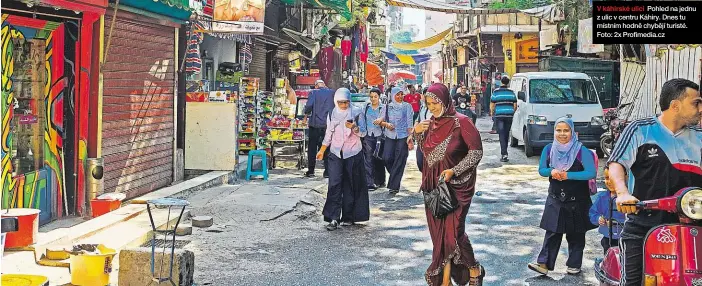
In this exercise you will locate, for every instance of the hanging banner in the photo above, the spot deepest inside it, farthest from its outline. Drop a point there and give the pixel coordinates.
(240, 16)
(548, 38)
(377, 35)
(585, 44)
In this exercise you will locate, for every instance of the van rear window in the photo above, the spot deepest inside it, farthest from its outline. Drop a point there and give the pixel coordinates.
(562, 91)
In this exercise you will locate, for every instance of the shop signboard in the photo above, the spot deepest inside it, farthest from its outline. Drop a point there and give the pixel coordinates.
(239, 16)
(377, 36)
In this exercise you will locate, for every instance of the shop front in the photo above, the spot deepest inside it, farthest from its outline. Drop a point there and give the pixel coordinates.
(138, 122)
(47, 59)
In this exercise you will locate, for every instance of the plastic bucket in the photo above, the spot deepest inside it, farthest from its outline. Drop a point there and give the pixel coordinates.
(92, 269)
(101, 207)
(24, 280)
(28, 222)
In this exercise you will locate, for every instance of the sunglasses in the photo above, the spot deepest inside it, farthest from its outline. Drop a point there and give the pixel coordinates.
(343, 102)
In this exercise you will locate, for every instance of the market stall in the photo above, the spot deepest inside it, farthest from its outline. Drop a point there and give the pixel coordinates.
(286, 132)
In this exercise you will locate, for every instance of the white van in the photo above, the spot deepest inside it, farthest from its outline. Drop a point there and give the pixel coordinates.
(544, 97)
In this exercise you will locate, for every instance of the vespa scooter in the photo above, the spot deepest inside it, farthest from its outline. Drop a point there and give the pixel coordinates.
(672, 252)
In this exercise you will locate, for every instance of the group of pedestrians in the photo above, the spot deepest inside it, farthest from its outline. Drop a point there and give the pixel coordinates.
(363, 143)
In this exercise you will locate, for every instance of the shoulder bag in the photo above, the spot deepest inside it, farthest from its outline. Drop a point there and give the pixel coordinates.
(380, 141)
(441, 200)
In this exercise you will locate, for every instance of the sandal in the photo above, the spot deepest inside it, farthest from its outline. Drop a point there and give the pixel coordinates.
(477, 281)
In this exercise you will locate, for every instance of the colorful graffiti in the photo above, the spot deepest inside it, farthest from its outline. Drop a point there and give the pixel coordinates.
(33, 189)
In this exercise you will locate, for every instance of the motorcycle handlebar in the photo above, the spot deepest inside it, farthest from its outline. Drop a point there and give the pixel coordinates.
(638, 205)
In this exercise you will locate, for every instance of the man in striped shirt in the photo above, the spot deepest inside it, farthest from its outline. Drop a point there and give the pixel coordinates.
(503, 104)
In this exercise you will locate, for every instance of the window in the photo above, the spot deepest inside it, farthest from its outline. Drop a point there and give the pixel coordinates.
(562, 91)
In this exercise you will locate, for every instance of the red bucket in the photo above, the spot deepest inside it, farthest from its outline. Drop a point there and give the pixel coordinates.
(28, 222)
(101, 207)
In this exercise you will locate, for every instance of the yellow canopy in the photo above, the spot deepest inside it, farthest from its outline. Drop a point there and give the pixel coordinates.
(428, 42)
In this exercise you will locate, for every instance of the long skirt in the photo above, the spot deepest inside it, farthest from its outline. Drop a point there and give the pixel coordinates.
(347, 196)
(451, 244)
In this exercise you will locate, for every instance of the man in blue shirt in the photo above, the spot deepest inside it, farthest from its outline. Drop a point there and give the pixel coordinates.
(503, 104)
(317, 108)
(661, 155)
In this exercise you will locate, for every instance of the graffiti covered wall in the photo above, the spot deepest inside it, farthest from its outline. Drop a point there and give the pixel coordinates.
(43, 186)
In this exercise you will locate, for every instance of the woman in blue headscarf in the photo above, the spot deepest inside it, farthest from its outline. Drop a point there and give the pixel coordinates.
(569, 166)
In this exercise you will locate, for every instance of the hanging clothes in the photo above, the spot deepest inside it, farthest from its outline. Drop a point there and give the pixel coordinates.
(326, 64)
(193, 62)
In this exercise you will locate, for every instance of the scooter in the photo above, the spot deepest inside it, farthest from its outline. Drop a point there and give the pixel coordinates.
(613, 127)
(671, 251)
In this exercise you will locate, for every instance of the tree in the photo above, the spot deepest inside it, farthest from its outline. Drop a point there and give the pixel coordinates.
(513, 4)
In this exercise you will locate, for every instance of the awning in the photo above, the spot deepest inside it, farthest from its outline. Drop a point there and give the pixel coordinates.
(408, 59)
(430, 5)
(178, 9)
(343, 7)
(428, 42)
(549, 13)
(307, 42)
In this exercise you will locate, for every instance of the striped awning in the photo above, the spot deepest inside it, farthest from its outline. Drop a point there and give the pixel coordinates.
(428, 42)
(407, 59)
(430, 5)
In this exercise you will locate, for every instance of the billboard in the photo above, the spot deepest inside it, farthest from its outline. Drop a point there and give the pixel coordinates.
(377, 36)
(239, 16)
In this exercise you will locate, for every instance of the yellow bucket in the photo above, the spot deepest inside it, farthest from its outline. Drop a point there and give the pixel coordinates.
(24, 280)
(92, 269)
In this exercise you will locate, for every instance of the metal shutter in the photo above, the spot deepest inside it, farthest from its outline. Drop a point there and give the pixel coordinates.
(138, 114)
(257, 68)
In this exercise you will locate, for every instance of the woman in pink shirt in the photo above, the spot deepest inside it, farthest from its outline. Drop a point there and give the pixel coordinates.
(347, 196)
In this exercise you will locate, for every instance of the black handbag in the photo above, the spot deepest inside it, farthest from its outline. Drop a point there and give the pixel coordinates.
(441, 200)
(380, 141)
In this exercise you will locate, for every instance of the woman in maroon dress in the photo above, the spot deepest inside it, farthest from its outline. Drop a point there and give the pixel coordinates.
(452, 148)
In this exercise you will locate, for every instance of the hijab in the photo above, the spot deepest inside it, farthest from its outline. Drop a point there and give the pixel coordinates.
(339, 115)
(562, 156)
(440, 128)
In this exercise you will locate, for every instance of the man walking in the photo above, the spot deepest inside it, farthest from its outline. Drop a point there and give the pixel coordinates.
(413, 98)
(318, 106)
(503, 104)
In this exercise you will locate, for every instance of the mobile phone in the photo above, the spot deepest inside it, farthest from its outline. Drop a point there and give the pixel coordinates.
(349, 120)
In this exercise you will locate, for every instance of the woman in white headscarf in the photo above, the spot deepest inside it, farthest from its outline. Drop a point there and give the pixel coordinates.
(347, 196)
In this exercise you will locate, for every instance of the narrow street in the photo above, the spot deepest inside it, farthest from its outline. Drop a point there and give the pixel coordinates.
(393, 248)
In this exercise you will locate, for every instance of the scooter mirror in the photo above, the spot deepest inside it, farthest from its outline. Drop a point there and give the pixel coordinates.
(8, 224)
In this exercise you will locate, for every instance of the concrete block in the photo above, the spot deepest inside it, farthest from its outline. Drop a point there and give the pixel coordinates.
(202, 221)
(184, 229)
(135, 267)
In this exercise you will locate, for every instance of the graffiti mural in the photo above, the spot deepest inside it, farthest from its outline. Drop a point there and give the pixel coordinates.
(32, 83)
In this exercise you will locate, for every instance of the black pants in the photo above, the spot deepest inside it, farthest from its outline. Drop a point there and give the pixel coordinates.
(347, 196)
(415, 117)
(503, 126)
(552, 245)
(632, 254)
(606, 244)
(374, 167)
(395, 155)
(315, 143)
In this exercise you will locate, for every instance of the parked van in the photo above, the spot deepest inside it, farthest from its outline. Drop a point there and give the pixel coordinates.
(544, 97)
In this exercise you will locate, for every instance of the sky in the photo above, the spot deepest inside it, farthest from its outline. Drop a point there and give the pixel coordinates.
(417, 17)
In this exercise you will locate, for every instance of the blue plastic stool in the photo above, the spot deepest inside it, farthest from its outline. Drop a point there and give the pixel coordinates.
(264, 165)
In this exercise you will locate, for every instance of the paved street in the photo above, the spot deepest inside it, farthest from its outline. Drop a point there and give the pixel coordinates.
(393, 248)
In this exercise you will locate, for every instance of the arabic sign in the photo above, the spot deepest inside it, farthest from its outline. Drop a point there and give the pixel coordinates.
(377, 36)
(585, 44)
(528, 51)
(241, 16)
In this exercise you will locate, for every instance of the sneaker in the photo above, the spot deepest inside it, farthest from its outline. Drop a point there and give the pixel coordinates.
(372, 188)
(504, 159)
(538, 267)
(392, 192)
(493, 131)
(572, 270)
(347, 223)
(309, 175)
(381, 185)
(333, 225)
